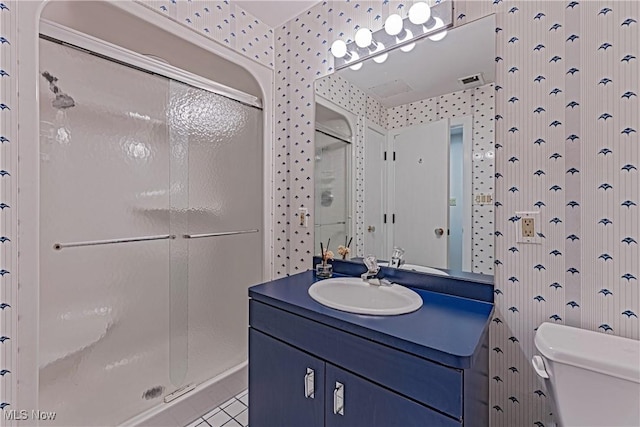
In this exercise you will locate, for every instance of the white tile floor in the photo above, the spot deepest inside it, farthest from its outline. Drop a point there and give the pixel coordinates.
(232, 413)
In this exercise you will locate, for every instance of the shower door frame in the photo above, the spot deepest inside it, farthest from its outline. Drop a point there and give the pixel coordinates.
(25, 271)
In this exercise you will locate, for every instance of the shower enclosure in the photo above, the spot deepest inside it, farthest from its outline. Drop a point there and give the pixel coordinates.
(332, 177)
(151, 213)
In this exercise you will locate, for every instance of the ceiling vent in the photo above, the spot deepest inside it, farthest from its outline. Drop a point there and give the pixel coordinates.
(388, 89)
(474, 80)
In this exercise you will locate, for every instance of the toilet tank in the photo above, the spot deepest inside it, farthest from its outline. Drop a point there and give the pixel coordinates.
(594, 378)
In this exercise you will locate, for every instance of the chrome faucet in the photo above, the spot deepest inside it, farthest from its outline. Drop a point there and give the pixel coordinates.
(396, 257)
(372, 276)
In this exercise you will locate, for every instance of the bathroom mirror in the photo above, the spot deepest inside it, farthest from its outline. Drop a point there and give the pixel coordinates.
(405, 153)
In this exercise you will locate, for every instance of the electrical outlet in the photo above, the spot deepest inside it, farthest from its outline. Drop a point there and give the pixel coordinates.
(528, 227)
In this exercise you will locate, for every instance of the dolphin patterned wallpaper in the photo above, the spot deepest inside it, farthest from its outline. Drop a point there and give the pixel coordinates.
(8, 225)
(567, 120)
(566, 145)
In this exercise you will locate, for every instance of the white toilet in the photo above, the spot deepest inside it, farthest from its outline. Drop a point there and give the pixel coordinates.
(593, 378)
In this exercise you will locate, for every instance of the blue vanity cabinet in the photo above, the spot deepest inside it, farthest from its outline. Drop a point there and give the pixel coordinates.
(290, 388)
(426, 368)
(286, 384)
(355, 402)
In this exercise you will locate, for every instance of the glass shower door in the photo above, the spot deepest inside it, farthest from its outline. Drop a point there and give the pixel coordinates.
(223, 224)
(151, 206)
(104, 304)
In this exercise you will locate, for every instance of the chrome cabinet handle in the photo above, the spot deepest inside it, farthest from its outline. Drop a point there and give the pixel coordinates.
(371, 229)
(309, 384)
(439, 232)
(338, 399)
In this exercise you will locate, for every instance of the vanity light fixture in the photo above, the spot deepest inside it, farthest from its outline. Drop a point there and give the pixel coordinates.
(364, 38)
(422, 21)
(355, 57)
(419, 13)
(393, 25)
(339, 49)
(409, 47)
(380, 58)
(442, 34)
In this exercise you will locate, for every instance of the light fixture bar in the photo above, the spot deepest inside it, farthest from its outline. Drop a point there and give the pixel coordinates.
(443, 10)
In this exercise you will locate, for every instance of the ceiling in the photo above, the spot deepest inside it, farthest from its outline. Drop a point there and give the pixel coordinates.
(275, 13)
(431, 68)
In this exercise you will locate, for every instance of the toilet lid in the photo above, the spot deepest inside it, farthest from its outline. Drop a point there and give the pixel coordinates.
(595, 351)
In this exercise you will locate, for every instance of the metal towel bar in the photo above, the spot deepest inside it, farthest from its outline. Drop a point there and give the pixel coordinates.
(59, 246)
(224, 233)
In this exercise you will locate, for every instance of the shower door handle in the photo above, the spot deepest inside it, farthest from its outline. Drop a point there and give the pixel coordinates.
(60, 246)
(309, 384)
(223, 233)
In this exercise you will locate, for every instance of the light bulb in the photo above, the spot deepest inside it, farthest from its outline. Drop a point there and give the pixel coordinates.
(419, 13)
(364, 37)
(438, 36)
(393, 25)
(408, 48)
(339, 48)
(355, 57)
(380, 58)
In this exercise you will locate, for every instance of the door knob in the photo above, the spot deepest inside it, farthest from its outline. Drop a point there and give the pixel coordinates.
(439, 232)
(371, 229)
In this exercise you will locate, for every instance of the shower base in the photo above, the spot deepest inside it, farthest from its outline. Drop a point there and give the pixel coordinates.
(186, 408)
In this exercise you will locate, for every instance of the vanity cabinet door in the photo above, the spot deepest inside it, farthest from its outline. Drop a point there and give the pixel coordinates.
(286, 385)
(352, 401)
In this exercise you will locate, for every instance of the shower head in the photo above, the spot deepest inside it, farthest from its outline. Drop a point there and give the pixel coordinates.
(62, 100)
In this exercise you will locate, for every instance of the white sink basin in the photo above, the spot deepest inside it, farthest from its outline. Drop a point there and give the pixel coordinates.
(417, 268)
(354, 295)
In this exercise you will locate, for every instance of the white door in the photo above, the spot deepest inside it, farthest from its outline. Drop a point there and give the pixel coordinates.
(421, 193)
(374, 182)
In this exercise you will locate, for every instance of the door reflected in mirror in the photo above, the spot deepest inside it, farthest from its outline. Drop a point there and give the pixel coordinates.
(405, 153)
